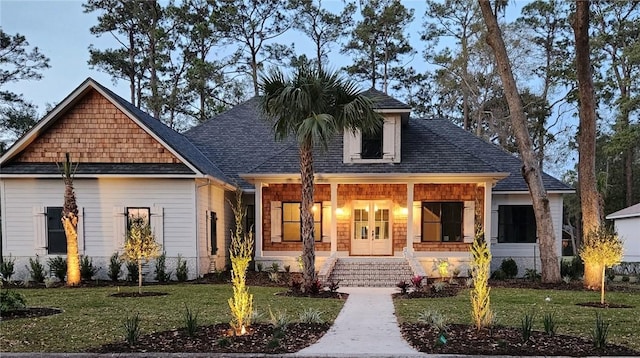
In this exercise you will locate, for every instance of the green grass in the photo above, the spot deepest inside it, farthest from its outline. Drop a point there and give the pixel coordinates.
(511, 304)
(91, 317)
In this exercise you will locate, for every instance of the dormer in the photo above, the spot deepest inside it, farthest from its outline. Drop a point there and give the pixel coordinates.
(384, 146)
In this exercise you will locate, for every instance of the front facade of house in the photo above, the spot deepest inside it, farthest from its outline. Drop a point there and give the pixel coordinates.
(417, 190)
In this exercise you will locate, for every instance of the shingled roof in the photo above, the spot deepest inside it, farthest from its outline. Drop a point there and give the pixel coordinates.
(382, 100)
(242, 142)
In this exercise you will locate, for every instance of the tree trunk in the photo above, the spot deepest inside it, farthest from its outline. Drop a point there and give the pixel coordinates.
(140, 276)
(590, 200)
(70, 224)
(530, 170)
(306, 216)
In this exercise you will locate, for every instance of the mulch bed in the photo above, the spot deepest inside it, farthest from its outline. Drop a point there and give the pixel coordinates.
(429, 292)
(138, 294)
(465, 339)
(321, 294)
(263, 338)
(30, 312)
(603, 305)
(575, 285)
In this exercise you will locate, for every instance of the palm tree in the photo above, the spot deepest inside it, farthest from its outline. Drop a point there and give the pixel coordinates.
(313, 105)
(70, 223)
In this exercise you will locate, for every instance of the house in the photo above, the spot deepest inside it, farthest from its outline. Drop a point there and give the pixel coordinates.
(627, 225)
(417, 191)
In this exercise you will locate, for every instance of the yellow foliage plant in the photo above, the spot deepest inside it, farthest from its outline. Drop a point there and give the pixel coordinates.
(140, 245)
(241, 304)
(602, 249)
(481, 313)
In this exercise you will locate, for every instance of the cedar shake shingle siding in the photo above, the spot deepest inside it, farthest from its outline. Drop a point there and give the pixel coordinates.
(96, 131)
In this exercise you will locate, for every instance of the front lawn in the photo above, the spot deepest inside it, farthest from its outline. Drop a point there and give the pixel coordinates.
(511, 304)
(92, 317)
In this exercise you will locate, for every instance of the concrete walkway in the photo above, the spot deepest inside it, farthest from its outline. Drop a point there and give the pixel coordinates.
(366, 326)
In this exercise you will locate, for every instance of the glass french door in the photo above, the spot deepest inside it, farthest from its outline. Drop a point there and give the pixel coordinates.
(371, 233)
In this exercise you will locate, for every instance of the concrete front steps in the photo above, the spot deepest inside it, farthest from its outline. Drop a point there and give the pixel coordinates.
(371, 271)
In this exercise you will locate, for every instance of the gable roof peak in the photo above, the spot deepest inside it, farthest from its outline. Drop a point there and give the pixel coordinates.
(384, 101)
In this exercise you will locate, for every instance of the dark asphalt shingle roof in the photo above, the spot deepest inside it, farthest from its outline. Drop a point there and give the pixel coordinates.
(241, 141)
(100, 168)
(382, 100)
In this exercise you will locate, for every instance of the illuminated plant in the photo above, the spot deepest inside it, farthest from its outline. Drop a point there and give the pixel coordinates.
(480, 300)
(241, 303)
(601, 249)
(443, 268)
(140, 245)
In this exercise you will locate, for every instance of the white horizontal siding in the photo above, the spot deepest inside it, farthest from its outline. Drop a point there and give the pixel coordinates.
(629, 231)
(523, 253)
(99, 197)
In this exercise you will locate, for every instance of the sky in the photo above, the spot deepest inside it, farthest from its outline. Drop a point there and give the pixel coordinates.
(60, 29)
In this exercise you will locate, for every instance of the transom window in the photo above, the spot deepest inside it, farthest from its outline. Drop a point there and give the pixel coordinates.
(516, 224)
(56, 238)
(138, 213)
(292, 224)
(442, 221)
(371, 145)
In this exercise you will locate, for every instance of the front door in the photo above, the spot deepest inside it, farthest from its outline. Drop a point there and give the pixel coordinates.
(371, 225)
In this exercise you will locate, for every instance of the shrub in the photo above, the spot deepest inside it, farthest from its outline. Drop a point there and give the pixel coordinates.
(115, 267)
(87, 270)
(50, 282)
(7, 265)
(526, 325)
(274, 277)
(573, 268)
(58, 266)
(499, 275)
(433, 318)
(311, 315)
(190, 321)
(132, 271)
(509, 267)
(316, 287)
(36, 270)
(549, 322)
(600, 250)
(132, 329)
(140, 245)
(333, 285)
(600, 332)
(438, 286)
(480, 300)
(295, 285)
(275, 267)
(416, 281)
(161, 269)
(259, 266)
(279, 319)
(182, 271)
(11, 300)
(287, 268)
(403, 286)
(532, 274)
(443, 267)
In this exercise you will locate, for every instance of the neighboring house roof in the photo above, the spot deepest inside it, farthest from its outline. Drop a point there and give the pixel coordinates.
(630, 212)
(171, 139)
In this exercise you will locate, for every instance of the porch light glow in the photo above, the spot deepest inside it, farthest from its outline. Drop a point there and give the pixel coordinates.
(339, 211)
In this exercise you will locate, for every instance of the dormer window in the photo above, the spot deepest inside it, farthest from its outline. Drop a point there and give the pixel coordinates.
(372, 147)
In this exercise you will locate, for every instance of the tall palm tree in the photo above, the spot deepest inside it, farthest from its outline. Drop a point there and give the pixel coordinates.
(70, 222)
(313, 105)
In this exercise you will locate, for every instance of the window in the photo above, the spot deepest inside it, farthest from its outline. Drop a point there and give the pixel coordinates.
(291, 224)
(138, 213)
(371, 145)
(442, 221)
(250, 219)
(516, 223)
(56, 238)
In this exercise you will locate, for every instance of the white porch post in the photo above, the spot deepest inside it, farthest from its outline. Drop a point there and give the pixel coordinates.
(488, 187)
(334, 217)
(259, 220)
(410, 232)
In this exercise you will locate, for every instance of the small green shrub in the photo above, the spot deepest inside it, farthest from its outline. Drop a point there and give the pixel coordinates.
(132, 271)
(549, 322)
(438, 286)
(182, 271)
(287, 268)
(190, 321)
(7, 266)
(115, 267)
(526, 325)
(132, 329)
(499, 275)
(532, 275)
(274, 277)
(315, 287)
(161, 269)
(275, 267)
(333, 285)
(58, 266)
(509, 267)
(573, 268)
(11, 300)
(311, 315)
(600, 332)
(36, 270)
(259, 266)
(279, 319)
(87, 270)
(403, 286)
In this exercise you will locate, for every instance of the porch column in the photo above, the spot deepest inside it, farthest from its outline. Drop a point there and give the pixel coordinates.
(410, 232)
(488, 187)
(259, 219)
(334, 217)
